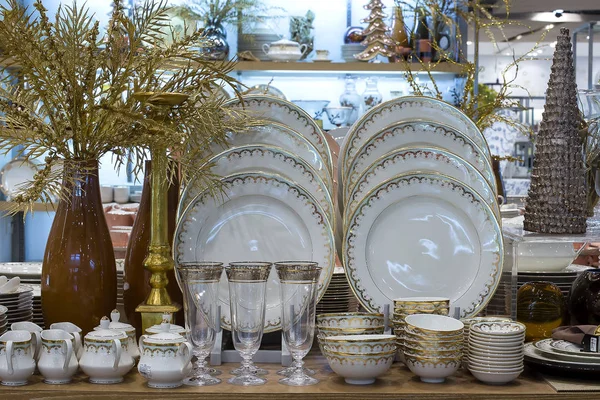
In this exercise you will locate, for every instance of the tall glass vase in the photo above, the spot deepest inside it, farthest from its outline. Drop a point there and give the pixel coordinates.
(79, 278)
(136, 277)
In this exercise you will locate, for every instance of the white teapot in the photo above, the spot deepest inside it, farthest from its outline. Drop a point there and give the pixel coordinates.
(284, 50)
(16, 358)
(165, 358)
(132, 348)
(105, 357)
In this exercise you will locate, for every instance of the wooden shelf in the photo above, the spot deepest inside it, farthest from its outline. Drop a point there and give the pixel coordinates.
(8, 205)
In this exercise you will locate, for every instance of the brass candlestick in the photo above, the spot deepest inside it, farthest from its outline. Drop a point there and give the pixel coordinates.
(159, 260)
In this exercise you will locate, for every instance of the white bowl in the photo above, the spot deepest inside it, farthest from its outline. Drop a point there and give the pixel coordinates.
(409, 351)
(504, 329)
(455, 338)
(470, 321)
(426, 324)
(350, 320)
(495, 361)
(497, 354)
(325, 331)
(494, 341)
(435, 346)
(361, 369)
(434, 370)
(544, 257)
(504, 369)
(495, 378)
(493, 348)
(359, 344)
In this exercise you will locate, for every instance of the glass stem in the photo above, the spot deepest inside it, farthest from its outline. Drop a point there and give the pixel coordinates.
(200, 364)
(298, 364)
(247, 362)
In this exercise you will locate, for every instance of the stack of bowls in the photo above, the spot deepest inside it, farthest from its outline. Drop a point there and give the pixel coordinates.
(470, 321)
(359, 359)
(496, 351)
(433, 346)
(335, 324)
(406, 306)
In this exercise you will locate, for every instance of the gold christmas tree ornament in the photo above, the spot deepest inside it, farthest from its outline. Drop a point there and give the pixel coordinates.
(556, 202)
(378, 40)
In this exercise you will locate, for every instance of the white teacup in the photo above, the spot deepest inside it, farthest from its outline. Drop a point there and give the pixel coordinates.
(73, 330)
(16, 358)
(35, 331)
(57, 362)
(321, 54)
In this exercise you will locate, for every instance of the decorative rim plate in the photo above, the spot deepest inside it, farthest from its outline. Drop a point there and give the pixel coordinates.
(417, 133)
(562, 346)
(427, 159)
(263, 89)
(536, 356)
(402, 108)
(546, 347)
(423, 235)
(269, 159)
(260, 217)
(288, 114)
(278, 135)
(15, 173)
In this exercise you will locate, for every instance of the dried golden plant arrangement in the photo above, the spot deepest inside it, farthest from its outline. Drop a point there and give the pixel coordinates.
(481, 108)
(72, 98)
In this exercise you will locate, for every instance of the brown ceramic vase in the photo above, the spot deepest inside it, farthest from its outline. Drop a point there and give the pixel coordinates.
(79, 278)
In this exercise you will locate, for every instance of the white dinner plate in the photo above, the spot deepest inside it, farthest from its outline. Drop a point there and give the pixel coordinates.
(546, 347)
(261, 217)
(278, 135)
(14, 174)
(21, 269)
(401, 109)
(268, 159)
(418, 133)
(422, 160)
(287, 113)
(423, 235)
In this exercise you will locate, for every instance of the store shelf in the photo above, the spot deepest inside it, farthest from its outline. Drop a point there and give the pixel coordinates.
(8, 205)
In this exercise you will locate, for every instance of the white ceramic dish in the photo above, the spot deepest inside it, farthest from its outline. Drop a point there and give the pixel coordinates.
(431, 323)
(562, 346)
(432, 370)
(287, 113)
(401, 109)
(269, 159)
(359, 344)
(495, 378)
(504, 329)
(495, 361)
(545, 347)
(428, 159)
(261, 217)
(545, 257)
(14, 174)
(360, 369)
(473, 339)
(350, 320)
(384, 262)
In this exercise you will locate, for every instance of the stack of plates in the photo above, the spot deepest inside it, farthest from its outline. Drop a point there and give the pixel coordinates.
(470, 321)
(19, 304)
(255, 42)
(338, 297)
(38, 317)
(3, 320)
(120, 281)
(350, 49)
(277, 203)
(419, 203)
(562, 357)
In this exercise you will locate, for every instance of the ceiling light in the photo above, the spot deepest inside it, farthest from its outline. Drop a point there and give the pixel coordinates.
(519, 37)
(469, 43)
(549, 26)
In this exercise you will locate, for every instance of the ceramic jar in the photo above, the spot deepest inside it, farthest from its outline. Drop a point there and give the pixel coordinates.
(16, 358)
(165, 358)
(541, 308)
(584, 298)
(132, 348)
(284, 50)
(105, 357)
(73, 330)
(57, 362)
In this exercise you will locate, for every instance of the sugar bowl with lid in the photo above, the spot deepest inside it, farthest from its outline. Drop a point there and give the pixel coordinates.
(105, 357)
(165, 358)
(284, 50)
(114, 324)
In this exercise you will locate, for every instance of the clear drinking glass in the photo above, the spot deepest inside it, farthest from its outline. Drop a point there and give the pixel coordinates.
(247, 299)
(298, 290)
(200, 283)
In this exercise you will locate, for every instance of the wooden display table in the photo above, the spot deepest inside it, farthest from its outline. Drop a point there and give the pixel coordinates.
(399, 383)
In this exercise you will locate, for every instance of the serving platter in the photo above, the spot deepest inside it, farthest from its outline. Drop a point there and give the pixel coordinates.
(425, 159)
(403, 108)
(268, 159)
(417, 133)
(286, 113)
(423, 235)
(536, 357)
(260, 217)
(563, 350)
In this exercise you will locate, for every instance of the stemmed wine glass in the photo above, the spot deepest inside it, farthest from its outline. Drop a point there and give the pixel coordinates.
(247, 299)
(200, 282)
(298, 290)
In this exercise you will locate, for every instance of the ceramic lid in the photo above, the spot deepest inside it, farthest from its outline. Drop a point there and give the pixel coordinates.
(165, 336)
(180, 330)
(104, 332)
(285, 43)
(115, 324)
